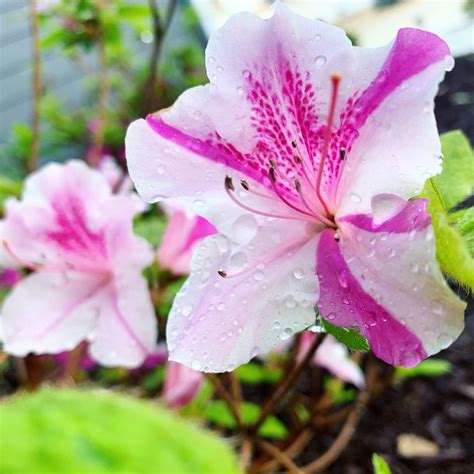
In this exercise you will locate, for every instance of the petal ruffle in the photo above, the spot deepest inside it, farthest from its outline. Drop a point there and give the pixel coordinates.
(126, 331)
(385, 281)
(218, 323)
(392, 144)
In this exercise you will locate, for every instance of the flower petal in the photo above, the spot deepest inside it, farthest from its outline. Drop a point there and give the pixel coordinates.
(218, 323)
(50, 313)
(126, 331)
(182, 384)
(394, 145)
(385, 281)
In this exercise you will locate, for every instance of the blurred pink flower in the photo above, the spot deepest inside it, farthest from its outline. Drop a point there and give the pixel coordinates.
(86, 283)
(304, 152)
(9, 277)
(334, 357)
(182, 384)
(183, 232)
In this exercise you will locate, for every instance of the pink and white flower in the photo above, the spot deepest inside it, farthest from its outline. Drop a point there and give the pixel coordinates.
(182, 233)
(76, 237)
(182, 384)
(304, 152)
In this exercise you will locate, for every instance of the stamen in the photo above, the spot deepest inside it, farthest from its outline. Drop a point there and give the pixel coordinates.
(272, 175)
(229, 187)
(222, 273)
(342, 153)
(335, 80)
(319, 217)
(20, 261)
(244, 184)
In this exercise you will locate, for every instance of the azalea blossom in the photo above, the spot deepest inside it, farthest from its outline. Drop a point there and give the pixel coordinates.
(86, 283)
(182, 384)
(305, 153)
(334, 357)
(182, 233)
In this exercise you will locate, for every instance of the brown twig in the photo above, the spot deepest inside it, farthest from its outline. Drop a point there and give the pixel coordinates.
(73, 363)
(224, 396)
(286, 383)
(246, 452)
(280, 456)
(34, 371)
(104, 94)
(236, 390)
(159, 31)
(33, 157)
(343, 438)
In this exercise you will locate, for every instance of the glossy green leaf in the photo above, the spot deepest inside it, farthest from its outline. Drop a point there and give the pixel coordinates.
(58, 431)
(349, 337)
(443, 191)
(380, 465)
(456, 182)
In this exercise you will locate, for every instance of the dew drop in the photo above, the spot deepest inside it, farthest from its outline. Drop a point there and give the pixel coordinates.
(221, 306)
(161, 169)
(298, 273)
(320, 60)
(444, 340)
(258, 276)
(355, 198)
(186, 310)
(220, 69)
(289, 301)
(211, 59)
(246, 73)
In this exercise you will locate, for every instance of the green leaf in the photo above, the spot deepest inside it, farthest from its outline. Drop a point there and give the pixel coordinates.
(463, 222)
(456, 181)
(349, 337)
(253, 373)
(58, 431)
(150, 227)
(443, 192)
(380, 465)
(452, 251)
(427, 368)
(218, 413)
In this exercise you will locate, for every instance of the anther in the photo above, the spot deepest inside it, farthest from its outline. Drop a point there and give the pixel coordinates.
(272, 174)
(298, 159)
(272, 163)
(298, 185)
(342, 153)
(244, 184)
(337, 237)
(229, 184)
(293, 143)
(222, 273)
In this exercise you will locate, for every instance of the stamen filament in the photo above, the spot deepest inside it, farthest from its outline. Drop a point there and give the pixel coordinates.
(278, 193)
(319, 217)
(229, 187)
(335, 80)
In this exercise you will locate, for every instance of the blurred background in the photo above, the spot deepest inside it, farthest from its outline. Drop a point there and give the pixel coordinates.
(102, 69)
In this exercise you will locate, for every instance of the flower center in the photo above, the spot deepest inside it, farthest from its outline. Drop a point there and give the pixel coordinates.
(311, 204)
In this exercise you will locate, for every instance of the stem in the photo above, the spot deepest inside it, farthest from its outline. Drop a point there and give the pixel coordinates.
(245, 454)
(224, 395)
(104, 93)
(159, 32)
(280, 456)
(73, 363)
(343, 438)
(34, 371)
(286, 383)
(33, 157)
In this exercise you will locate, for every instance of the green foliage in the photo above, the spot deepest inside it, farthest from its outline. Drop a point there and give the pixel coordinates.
(151, 227)
(8, 188)
(380, 465)
(253, 374)
(427, 368)
(463, 222)
(338, 391)
(73, 431)
(218, 413)
(347, 336)
(443, 191)
(456, 181)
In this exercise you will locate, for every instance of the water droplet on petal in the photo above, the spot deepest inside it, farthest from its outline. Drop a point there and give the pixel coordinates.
(258, 276)
(320, 60)
(186, 310)
(355, 198)
(298, 273)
